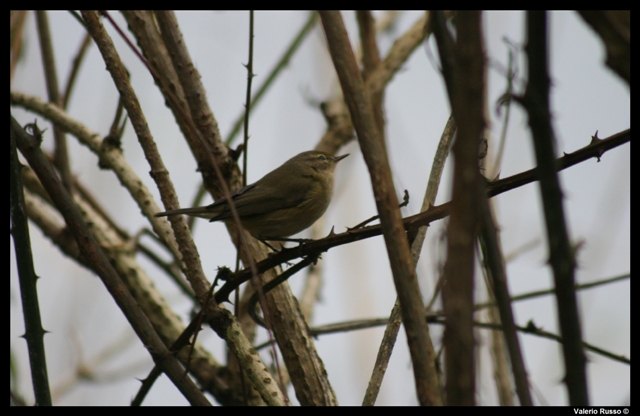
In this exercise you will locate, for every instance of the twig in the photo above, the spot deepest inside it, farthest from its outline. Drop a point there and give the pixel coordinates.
(393, 327)
(61, 160)
(75, 68)
(497, 276)
(34, 332)
(282, 277)
(274, 73)
(438, 318)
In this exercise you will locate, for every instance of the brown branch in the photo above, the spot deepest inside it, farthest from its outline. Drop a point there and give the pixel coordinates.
(463, 65)
(561, 256)
(370, 61)
(75, 69)
(496, 272)
(204, 137)
(387, 203)
(17, 21)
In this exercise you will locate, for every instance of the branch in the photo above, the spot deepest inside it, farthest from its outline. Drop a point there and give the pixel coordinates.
(375, 156)
(463, 64)
(61, 160)
(561, 256)
(34, 332)
(437, 318)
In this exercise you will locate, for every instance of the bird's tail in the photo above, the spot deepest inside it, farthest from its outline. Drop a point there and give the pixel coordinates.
(202, 212)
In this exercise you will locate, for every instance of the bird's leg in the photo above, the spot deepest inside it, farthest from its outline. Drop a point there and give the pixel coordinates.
(275, 250)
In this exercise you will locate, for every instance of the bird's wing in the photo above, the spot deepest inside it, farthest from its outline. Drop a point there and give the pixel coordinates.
(255, 200)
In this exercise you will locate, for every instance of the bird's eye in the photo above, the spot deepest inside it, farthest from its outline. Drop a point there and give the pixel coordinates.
(321, 157)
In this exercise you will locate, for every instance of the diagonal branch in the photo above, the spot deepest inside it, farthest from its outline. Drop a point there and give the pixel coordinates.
(375, 156)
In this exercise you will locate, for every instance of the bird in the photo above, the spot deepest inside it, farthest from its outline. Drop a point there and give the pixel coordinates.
(284, 202)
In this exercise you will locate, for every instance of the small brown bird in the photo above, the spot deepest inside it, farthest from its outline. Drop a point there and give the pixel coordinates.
(284, 202)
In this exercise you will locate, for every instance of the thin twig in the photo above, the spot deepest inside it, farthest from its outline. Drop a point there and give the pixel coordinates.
(438, 318)
(274, 73)
(75, 68)
(61, 160)
(498, 282)
(393, 327)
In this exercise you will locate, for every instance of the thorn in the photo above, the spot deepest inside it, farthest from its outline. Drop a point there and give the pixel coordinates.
(531, 327)
(405, 199)
(594, 140)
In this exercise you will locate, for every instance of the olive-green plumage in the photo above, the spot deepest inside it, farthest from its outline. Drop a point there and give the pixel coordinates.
(284, 202)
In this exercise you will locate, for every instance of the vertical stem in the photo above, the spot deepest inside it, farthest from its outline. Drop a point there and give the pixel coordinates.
(536, 102)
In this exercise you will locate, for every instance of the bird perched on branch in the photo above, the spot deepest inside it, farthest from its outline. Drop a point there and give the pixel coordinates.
(284, 202)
